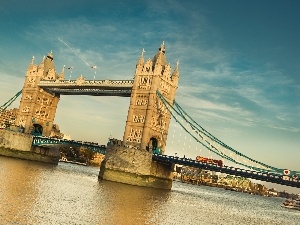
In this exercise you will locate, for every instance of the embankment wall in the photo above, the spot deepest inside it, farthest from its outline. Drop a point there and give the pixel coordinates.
(19, 145)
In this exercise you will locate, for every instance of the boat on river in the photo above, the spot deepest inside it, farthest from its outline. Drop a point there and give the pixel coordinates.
(65, 160)
(291, 204)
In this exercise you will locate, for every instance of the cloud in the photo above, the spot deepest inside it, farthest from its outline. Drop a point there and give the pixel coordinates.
(214, 83)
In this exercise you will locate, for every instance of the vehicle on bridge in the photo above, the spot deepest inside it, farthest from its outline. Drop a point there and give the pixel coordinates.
(218, 162)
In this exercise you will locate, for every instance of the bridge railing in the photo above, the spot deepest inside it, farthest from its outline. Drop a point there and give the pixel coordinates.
(96, 83)
(263, 176)
(46, 141)
(213, 144)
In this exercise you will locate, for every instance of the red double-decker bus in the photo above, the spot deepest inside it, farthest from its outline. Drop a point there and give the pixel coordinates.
(218, 162)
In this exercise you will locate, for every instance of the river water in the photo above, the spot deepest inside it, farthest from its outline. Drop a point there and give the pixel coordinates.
(38, 193)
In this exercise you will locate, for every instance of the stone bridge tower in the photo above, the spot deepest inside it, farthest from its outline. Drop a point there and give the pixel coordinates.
(148, 121)
(37, 107)
(146, 128)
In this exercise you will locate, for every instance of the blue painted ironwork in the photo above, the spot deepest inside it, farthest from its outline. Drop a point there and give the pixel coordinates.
(46, 141)
(257, 175)
(210, 142)
(9, 102)
(156, 151)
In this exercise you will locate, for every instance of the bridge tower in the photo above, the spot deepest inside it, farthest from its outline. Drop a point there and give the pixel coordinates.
(37, 107)
(148, 121)
(146, 128)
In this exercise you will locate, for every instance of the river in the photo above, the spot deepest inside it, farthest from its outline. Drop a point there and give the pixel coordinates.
(38, 193)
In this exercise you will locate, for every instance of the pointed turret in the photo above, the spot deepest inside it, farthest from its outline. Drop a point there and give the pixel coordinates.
(61, 76)
(141, 59)
(47, 65)
(31, 64)
(50, 56)
(160, 57)
(42, 63)
(140, 63)
(175, 75)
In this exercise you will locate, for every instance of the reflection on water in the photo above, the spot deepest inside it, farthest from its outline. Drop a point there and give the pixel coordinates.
(37, 193)
(18, 189)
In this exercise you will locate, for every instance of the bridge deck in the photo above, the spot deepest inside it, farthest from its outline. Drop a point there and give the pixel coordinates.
(50, 142)
(269, 177)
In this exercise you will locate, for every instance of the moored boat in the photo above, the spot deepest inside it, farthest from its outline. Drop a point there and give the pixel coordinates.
(291, 204)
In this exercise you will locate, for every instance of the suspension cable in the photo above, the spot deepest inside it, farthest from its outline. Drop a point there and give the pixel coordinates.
(9, 102)
(204, 134)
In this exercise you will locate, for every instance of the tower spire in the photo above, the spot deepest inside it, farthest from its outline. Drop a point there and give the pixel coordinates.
(143, 51)
(160, 57)
(141, 59)
(61, 76)
(140, 63)
(162, 47)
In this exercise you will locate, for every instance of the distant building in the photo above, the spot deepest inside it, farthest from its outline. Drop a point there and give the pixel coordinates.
(8, 118)
(8, 121)
(67, 137)
(272, 192)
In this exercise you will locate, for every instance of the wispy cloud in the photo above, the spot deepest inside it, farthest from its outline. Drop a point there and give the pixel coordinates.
(215, 84)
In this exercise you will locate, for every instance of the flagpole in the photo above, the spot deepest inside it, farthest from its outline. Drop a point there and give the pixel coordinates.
(70, 75)
(70, 68)
(94, 67)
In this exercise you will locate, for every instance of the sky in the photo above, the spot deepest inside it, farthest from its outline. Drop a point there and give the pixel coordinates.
(238, 63)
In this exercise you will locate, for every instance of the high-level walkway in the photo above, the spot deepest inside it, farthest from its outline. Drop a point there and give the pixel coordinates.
(80, 86)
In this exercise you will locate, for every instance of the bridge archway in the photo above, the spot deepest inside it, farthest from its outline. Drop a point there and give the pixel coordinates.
(37, 130)
(154, 143)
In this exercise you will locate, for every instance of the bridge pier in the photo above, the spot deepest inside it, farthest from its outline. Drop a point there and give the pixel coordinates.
(19, 145)
(135, 167)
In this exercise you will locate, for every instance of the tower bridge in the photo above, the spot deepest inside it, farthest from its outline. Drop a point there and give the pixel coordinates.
(147, 123)
(152, 104)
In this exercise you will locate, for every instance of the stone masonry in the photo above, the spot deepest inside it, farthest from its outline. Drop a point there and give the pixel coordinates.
(37, 107)
(146, 128)
(147, 117)
(135, 167)
(19, 145)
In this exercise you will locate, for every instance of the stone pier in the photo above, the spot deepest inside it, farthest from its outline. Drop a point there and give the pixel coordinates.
(133, 166)
(19, 145)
